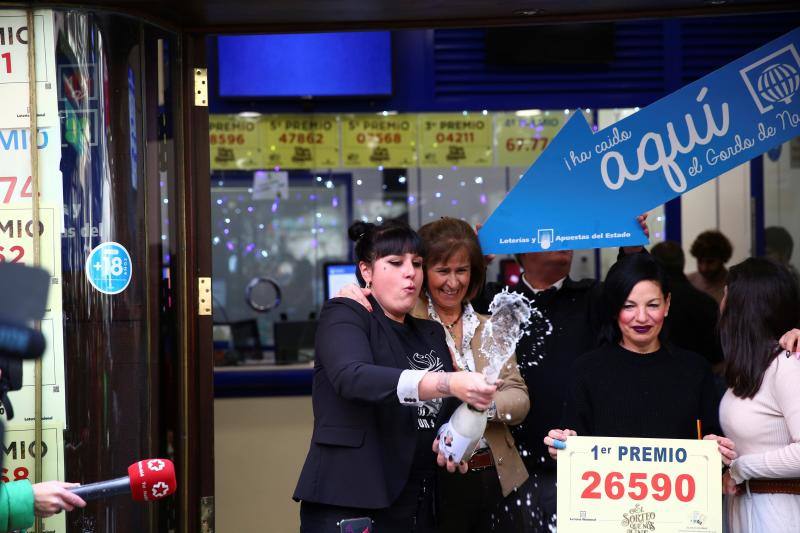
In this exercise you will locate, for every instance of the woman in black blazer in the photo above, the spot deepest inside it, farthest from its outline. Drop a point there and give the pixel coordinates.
(379, 382)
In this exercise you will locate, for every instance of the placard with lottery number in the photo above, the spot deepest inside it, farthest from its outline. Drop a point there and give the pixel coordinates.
(19, 459)
(639, 485)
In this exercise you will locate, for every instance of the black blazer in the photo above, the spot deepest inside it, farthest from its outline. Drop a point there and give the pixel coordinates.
(364, 440)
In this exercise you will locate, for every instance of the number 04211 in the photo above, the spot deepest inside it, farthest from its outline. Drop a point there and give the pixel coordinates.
(659, 487)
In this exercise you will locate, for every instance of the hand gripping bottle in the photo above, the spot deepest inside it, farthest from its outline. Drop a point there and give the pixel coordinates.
(459, 437)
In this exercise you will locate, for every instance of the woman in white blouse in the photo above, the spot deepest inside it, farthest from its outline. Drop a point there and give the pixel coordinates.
(760, 411)
(455, 271)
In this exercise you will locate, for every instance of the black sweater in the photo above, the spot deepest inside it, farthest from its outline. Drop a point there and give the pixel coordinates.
(619, 393)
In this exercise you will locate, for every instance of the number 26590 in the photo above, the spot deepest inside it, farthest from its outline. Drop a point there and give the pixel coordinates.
(639, 486)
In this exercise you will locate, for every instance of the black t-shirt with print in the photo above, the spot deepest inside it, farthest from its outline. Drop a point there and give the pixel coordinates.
(420, 356)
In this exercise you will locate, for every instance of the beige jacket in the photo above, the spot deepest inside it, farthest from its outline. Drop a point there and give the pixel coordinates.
(512, 403)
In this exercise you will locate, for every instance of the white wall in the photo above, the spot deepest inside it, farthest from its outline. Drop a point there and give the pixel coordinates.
(722, 204)
(782, 193)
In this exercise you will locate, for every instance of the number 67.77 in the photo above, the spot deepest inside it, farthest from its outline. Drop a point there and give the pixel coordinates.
(659, 487)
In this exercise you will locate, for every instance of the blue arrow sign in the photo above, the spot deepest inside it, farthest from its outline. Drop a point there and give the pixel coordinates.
(586, 189)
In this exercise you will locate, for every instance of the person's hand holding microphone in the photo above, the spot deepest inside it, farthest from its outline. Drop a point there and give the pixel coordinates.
(51, 497)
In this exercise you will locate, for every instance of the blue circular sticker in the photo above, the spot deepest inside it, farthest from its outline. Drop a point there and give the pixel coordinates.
(108, 268)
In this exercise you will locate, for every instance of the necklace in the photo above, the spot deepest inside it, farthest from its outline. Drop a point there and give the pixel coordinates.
(452, 324)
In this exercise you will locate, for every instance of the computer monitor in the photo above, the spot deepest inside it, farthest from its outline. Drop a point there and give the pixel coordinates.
(246, 338)
(294, 341)
(337, 275)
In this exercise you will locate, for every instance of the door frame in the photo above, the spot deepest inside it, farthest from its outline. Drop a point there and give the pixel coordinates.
(196, 377)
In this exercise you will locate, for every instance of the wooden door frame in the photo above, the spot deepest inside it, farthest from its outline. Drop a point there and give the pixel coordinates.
(196, 441)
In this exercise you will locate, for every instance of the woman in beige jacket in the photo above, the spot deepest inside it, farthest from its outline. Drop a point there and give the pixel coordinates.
(454, 273)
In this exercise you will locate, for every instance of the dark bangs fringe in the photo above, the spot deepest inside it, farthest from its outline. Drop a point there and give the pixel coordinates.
(396, 239)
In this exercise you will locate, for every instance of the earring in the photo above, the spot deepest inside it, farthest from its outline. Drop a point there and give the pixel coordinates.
(369, 285)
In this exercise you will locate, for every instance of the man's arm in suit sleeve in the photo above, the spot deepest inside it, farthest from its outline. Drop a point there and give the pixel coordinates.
(343, 349)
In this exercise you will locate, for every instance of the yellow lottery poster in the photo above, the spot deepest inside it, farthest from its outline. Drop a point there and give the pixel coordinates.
(16, 140)
(520, 137)
(19, 461)
(14, 110)
(16, 246)
(626, 485)
(301, 141)
(455, 139)
(17, 227)
(370, 140)
(17, 230)
(235, 142)
(16, 236)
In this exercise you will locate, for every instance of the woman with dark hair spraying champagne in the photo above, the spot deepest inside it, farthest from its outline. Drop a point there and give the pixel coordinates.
(760, 411)
(379, 380)
(455, 271)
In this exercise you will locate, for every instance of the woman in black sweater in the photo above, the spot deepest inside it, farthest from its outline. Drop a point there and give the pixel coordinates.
(635, 385)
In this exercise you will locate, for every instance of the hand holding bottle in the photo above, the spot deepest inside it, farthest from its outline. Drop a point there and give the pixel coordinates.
(472, 388)
(447, 462)
(458, 437)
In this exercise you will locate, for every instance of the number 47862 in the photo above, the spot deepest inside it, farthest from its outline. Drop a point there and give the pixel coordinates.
(660, 487)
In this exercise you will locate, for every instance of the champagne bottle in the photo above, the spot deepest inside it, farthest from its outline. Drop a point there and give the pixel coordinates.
(461, 434)
(511, 312)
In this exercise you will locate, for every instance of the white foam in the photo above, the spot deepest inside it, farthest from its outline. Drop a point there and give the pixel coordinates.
(511, 313)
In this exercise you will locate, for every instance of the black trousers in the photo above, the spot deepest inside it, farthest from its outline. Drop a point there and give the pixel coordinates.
(538, 497)
(474, 503)
(412, 512)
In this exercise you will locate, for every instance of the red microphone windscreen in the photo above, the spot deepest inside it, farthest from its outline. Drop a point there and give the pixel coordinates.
(152, 479)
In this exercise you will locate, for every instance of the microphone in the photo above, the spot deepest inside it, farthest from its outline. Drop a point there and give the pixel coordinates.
(17, 342)
(147, 480)
(24, 291)
(20, 342)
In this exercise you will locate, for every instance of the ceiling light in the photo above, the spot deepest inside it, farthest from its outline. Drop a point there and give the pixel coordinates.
(528, 12)
(528, 112)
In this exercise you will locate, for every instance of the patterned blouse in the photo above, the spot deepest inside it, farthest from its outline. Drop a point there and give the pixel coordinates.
(464, 358)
